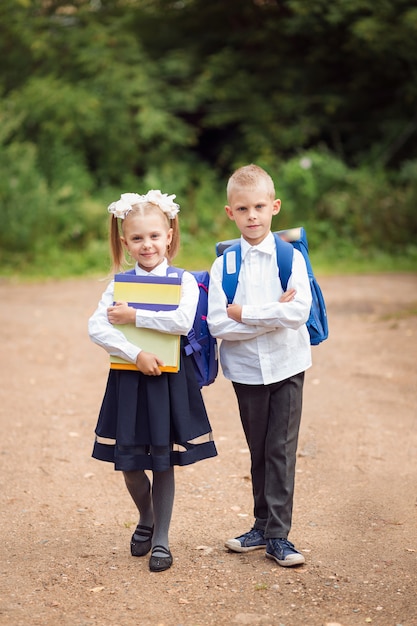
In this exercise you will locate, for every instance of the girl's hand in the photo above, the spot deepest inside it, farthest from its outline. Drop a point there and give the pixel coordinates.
(121, 313)
(234, 311)
(288, 296)
(148, 363)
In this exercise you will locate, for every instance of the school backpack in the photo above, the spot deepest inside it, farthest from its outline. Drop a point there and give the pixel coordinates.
(199, 343)
(286, 241)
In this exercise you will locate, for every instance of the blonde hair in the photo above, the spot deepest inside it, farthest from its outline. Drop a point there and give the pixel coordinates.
(116, 232)
(250, 176)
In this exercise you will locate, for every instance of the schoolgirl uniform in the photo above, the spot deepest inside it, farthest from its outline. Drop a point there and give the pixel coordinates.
(151, 422)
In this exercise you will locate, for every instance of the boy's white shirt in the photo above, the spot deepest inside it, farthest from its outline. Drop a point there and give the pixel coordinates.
(178, 321)
(272, 341)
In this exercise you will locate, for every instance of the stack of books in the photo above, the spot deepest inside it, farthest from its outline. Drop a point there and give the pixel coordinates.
(157, 294)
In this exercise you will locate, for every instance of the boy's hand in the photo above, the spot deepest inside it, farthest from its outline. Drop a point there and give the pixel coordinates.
(288, 296)
(148, 363)
(121, 313)
(234, 311)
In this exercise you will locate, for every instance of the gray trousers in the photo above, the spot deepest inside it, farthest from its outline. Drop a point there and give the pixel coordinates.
(271, 416)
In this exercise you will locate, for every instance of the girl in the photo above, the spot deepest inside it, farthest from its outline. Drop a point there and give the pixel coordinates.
(149, 420)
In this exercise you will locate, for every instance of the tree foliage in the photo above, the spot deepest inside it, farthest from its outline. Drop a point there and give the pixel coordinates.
(101, 94)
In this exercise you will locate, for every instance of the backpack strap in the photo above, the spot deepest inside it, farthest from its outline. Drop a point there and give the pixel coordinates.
(232, 260)
(192, 345)
(175, 270)
(285, 253)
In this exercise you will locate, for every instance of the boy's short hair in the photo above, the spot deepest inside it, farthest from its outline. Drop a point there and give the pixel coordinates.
(250, 176)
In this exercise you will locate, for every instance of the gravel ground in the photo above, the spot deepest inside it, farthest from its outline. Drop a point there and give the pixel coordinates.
(66, 519)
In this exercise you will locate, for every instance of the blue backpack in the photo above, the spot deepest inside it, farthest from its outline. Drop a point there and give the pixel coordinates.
(199, 343)
(286, 241)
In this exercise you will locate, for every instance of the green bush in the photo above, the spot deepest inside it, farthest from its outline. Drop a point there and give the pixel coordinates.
(363, 207)
(55, 222)
(25, 201)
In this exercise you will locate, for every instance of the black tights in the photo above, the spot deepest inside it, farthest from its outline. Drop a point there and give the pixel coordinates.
(154, 505)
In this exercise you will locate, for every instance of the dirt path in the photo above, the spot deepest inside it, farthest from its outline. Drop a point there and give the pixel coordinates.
(66, 519)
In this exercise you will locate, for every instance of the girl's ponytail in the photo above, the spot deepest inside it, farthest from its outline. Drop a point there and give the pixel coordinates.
(116, 246)
(175, 241)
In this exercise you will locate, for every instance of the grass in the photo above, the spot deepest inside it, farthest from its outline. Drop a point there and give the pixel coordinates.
(404, 313)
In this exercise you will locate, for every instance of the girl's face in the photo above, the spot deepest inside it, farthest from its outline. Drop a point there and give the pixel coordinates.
(147, 237)
(252, 210)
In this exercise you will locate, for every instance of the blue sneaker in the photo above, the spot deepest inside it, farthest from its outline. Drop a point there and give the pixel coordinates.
(283, 552)
(252, 540)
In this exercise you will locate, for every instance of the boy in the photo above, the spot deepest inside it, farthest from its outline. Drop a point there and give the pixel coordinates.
(265, 351)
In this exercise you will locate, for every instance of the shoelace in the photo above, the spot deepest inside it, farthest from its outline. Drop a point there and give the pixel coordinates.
(284, 543)
(254, 532)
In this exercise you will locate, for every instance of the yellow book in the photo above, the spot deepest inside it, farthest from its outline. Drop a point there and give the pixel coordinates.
(155, 293)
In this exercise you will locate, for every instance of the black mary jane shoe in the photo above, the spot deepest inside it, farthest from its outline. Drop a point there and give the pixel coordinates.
(140, 548)
(160, 563)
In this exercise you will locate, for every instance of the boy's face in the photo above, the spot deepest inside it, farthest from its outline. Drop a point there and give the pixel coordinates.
(252, 208)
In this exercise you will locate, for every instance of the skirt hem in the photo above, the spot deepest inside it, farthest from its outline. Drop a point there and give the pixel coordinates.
(131, 462)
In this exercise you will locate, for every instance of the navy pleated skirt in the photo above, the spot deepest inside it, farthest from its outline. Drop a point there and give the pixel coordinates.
(153, 422)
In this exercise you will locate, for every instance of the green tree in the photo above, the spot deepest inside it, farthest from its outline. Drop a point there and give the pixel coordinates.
(100, 95)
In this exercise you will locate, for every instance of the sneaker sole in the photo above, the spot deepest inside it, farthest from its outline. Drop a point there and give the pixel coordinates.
(296, 559)
(234, 545)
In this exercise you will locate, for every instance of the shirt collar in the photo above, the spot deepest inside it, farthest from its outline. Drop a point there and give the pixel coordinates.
(267, 245)
(159, 270)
